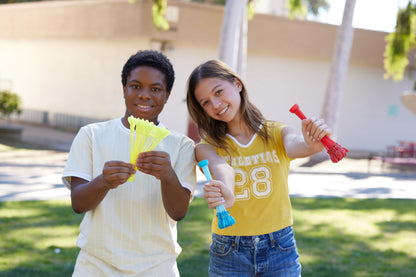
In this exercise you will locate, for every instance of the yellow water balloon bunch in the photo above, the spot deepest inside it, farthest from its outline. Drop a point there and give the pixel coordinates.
(144, 136)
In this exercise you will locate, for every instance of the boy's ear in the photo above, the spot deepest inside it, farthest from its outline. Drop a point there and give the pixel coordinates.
(167, 96)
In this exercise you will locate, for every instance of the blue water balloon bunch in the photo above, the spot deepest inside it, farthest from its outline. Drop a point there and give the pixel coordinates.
(224, 218)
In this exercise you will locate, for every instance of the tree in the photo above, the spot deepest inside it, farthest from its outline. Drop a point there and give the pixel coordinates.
(301, 8)
(338, 71)
(400, 43)
(339, 66)
(10, 103)
(158, 13)
(340, 57)
(233, 42)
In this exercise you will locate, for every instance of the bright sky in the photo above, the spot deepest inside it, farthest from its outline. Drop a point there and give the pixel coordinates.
(379, 15)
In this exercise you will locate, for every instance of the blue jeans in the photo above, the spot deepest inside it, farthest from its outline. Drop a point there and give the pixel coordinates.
(273, 254)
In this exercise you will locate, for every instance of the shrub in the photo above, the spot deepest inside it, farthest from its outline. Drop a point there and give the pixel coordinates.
(10, 103)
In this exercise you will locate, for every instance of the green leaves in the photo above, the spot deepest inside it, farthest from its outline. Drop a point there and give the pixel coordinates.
(10, 103)
(297, 8)
(158, 12)
(400, 43)
(251, 9)
(301, 8)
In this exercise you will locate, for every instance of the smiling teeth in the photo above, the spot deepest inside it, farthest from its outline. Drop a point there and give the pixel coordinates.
(223, 111)
(143, 107)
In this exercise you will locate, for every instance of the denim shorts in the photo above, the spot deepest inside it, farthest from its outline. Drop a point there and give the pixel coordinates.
(274, 254)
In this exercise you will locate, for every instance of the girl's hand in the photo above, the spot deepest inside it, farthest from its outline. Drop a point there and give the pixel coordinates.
(313, 130)
(217, 193)
(116, 173)
(157, 164)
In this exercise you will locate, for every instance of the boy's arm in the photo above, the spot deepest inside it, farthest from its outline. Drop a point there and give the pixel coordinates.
(299, 145)
(86, 195)
(221, 189)
(175, 197)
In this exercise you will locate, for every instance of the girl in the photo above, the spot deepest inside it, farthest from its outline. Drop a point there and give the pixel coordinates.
(248, 157)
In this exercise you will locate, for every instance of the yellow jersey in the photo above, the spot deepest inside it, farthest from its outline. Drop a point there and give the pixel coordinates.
(262, 204)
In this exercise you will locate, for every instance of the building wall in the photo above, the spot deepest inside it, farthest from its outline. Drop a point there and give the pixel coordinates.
(66, 57)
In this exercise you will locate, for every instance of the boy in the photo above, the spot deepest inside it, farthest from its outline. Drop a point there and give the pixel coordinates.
(129, 228)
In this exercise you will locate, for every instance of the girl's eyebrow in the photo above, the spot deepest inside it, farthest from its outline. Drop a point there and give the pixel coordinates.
(212, 90)
(202, 100)
(215, 87)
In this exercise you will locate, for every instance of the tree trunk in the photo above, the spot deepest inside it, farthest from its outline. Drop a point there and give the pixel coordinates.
(339, 68)
(233, 43)
(338, 72)
(242, 51)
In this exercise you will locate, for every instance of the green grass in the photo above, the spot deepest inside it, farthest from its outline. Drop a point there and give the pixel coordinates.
(30, 234)
(349, 237)
(336, 237)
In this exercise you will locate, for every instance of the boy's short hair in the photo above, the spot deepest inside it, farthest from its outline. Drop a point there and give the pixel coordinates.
(153, 59)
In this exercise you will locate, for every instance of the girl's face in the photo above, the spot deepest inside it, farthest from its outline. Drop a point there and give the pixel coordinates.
(145, 94)
(219, 98)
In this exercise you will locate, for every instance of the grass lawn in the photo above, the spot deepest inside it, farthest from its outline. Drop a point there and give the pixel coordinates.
(336, 237)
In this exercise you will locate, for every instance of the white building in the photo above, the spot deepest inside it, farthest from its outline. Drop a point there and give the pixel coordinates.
(64, 58)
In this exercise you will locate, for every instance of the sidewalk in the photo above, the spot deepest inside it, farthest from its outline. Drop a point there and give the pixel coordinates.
(34, 173)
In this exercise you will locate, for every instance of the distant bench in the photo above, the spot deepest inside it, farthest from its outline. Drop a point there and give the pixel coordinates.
(396, 155)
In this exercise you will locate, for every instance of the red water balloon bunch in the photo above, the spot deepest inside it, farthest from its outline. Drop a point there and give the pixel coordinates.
(336, 152)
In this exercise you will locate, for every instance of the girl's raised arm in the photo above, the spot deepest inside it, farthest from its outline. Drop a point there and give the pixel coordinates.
(222, 174)
(307, 143)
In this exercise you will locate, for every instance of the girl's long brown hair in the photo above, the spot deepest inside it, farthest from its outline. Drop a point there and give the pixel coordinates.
(214, 131)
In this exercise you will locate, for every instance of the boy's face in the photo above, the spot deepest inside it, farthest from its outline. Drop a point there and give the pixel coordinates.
(145, 93)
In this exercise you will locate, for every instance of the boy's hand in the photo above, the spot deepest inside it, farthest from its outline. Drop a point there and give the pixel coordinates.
(116, 173)
(216, 193)
(157, 164)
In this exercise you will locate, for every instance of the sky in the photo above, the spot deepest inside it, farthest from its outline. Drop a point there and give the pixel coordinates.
(378, 15)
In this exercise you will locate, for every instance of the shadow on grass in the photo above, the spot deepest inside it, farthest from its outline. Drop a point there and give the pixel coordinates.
(394, 226)
(39, 214)
(194, 236)
(336, 237)
(45, 263)
(357, 238)
(38, 238)
(399, 206)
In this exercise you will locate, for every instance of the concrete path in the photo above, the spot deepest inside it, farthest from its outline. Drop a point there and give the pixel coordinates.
(353, 178)
(35, 174)
(32, 175)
